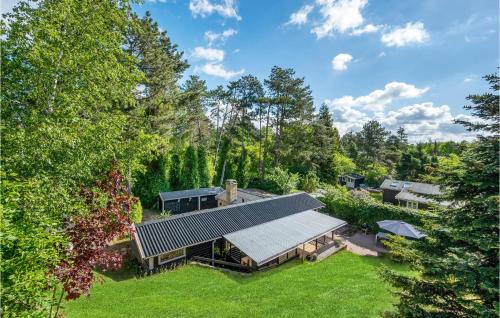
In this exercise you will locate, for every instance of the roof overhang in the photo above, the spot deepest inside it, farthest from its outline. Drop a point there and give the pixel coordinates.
(264, 242)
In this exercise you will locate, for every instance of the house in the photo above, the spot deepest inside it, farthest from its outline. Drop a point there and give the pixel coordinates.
(351, 180)
(252, 235)
(188, 200)
(414, 195)
(233, 195)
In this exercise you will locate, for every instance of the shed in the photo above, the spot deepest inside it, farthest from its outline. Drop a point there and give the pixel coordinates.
(188, 200)
(352, 180)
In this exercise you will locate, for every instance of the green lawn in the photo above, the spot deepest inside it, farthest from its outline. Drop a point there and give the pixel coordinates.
(343, 285)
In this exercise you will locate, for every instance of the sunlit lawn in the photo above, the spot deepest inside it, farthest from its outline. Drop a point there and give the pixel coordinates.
(343, 285)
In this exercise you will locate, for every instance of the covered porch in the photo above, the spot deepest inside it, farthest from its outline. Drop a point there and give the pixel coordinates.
(299, 235)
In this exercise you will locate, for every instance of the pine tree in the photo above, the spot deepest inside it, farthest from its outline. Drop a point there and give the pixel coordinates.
(175, 172)
(458, 261)
(189, 175)
(203, 167)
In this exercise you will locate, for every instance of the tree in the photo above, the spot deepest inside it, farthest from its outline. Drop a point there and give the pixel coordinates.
(90, 235)
(175, 172)
(326, 141)
(192, 124)
(242, 173)
(203, 173)
(375, 174)
(402, 136)
(68, 100)
(189, 174)
(285, 182)
(341, 165)
(152, 181)
(290, 101)
(372, 138)
(458, 262)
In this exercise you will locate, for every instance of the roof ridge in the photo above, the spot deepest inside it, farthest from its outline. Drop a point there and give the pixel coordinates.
(182, 215)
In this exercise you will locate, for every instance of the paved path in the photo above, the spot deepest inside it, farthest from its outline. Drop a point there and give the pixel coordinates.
(362, 244)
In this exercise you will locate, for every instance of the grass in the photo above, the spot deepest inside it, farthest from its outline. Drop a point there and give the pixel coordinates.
(343, 285)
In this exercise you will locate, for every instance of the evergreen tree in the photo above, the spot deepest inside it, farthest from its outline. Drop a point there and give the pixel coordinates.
(175, 172)
(203, 175)
(372, 138)
(326, 141)
(152, 181)
(241, 173)
(458, 261)
(189, 174)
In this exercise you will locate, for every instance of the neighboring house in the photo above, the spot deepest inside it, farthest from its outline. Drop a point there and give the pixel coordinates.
(414, 195)
(234, 195)
(351, 180)
(253, 234)
(188, 200)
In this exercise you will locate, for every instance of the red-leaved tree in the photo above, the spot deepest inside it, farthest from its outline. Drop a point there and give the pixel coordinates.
(90, 235)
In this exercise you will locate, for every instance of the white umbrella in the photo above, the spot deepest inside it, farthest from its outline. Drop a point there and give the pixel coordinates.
(400, 228)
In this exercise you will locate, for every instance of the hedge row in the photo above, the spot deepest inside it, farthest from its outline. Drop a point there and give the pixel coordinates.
(359, 209)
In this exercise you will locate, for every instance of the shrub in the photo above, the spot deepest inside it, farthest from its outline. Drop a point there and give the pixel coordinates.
(356, 210)
(310, 182)
(136, 212)
(284, 181)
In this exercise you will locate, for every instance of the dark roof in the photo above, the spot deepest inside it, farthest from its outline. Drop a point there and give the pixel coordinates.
(174, 195)
(415, 187)
(182, 230)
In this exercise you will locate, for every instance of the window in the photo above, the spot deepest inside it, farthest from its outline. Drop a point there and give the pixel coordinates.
(412, 204)
(172, 255)
(204, 199)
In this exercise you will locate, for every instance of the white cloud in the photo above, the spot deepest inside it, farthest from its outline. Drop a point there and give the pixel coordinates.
(339, 15)
(212, 37)
(412, 33)
(339, 62)
(217, 70)
(225, 8)
(382, 54)
(300, 17)
(467, 80)
(378, 99)
(347, 118)
(422, 121)
(208, 54)
(369, 28)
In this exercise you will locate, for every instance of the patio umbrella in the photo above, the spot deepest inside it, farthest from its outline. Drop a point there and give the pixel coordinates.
(400, 228)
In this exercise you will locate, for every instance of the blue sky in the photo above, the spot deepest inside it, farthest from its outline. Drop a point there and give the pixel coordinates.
(408, 63)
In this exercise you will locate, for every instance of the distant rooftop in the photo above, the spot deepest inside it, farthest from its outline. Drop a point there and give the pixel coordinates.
(175, 195)
(415, 187)
(354, 175)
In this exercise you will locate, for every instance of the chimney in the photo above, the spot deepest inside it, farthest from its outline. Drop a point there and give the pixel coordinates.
(231, 191)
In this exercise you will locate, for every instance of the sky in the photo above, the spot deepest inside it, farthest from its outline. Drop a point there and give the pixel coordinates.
(404, 63)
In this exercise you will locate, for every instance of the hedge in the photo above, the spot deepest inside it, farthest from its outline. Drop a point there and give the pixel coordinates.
(358, 209)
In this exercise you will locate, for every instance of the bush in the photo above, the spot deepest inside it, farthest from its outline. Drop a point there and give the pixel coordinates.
(136, 212)
(310, 182)
(284, 181)
(356, 209)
